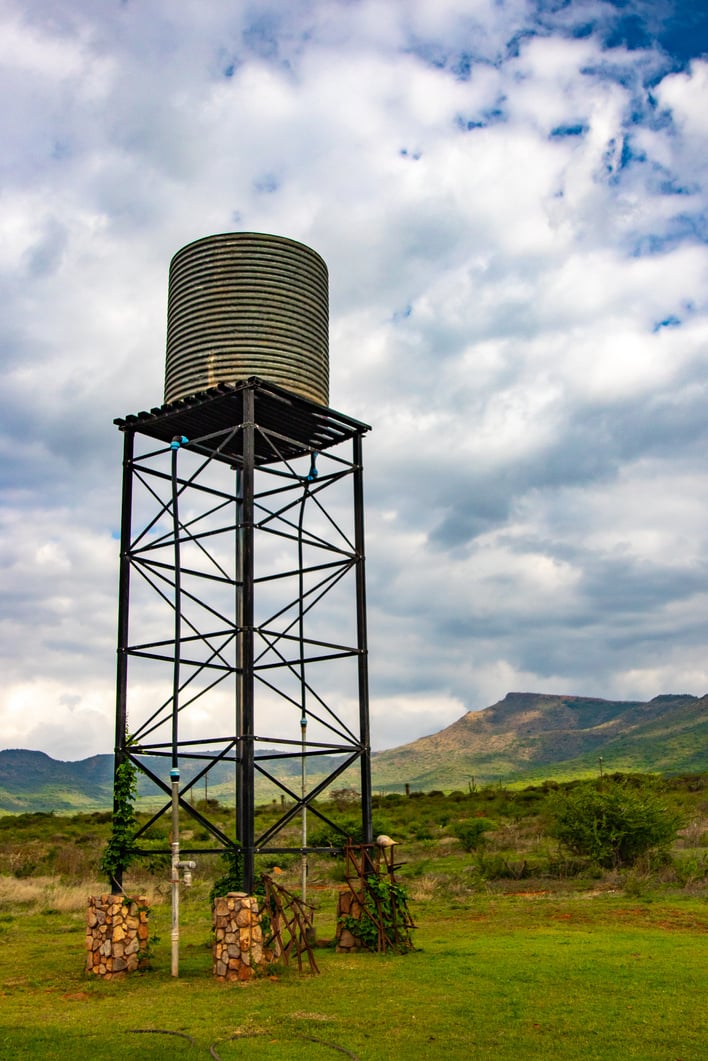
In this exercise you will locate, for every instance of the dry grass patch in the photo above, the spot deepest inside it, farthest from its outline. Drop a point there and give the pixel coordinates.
(49, 893)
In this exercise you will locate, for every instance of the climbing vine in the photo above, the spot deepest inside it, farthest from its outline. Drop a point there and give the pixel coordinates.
(121, 848)
(231, 879)
(385, 922)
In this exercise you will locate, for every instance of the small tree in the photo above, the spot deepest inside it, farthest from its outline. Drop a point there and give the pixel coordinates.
(612, 823)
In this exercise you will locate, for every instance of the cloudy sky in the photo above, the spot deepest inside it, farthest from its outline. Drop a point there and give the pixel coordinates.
(512, 199)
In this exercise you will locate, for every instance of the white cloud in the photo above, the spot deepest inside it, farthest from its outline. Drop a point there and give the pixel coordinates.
(513, 216)
(685, 95)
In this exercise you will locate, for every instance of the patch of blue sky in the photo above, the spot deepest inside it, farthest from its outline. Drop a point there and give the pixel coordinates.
(668, 322)
(561, 132)
(681, 229)
(462, 64)
(229, 61)
(624, 74)
(261, 36)
(678, 28)
(266, 184)
(667, 184)
(622, 153)
(629, 31)
(516, 43)
(493, 116)
(630, 153)
(402, 314)
(459, 63)
(685, 35)
(430, 52)
(658, 180)
(658, 117)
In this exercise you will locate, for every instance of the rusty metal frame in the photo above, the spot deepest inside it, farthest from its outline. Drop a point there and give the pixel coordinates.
(364, 864)
(291, 926)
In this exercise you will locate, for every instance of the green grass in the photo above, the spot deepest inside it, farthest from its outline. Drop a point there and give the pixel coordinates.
(519, 953)
(531, 976)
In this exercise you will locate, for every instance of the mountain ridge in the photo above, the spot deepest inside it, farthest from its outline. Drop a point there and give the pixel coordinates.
(531, 735)
(523, 737)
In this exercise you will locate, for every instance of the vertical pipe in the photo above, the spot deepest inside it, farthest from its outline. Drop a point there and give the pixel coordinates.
(175, 444)
(174, 772)
(362, 644)
(245, 706)
(116, 882)
(174, 877)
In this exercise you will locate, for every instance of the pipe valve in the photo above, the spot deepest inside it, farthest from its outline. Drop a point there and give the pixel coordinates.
(187, 868)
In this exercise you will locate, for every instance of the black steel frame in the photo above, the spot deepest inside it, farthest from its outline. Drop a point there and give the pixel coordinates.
(275, 442)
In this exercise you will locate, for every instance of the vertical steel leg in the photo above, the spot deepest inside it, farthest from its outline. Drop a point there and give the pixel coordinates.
(116, 882)
(245, 706)
(362, 643)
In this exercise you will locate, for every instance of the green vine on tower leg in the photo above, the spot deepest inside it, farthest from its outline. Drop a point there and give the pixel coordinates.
(121, 848)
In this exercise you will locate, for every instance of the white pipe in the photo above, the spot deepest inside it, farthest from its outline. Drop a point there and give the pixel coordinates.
(174, 774)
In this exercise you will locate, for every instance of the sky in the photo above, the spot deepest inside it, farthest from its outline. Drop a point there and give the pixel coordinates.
(512, 200)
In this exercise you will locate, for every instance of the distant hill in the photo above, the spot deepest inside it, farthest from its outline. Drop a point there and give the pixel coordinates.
(33, 781)
(525, 737)
(534, 736)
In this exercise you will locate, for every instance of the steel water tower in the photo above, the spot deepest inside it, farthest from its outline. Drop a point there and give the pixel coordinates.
(242, 651)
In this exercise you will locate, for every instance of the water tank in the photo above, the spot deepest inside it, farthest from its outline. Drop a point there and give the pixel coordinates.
(246, 304)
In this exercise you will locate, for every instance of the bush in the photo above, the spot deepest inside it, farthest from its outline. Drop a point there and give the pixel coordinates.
(470, 832)
(612, 823)
(496, 867)
(329, 836)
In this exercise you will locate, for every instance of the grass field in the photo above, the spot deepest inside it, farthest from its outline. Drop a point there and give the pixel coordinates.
(516, 954)
(496, 976)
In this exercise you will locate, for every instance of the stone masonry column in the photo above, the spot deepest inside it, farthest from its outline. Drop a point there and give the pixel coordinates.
(238, 939)
(116, 935)
(349, 905)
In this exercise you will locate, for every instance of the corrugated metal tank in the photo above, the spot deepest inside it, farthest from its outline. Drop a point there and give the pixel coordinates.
(246, 304)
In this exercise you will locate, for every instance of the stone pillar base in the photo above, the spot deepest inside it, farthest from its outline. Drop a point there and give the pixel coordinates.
(238, 939)
(348, 905)
(116, 935)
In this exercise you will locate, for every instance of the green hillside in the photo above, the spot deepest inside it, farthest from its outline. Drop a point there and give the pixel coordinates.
(526, 737)
(530, 736)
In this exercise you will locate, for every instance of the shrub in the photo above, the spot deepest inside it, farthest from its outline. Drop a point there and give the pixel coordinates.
(496, 867)
(612, 823)
(329, 836)
(470, 832)
(344, 797)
